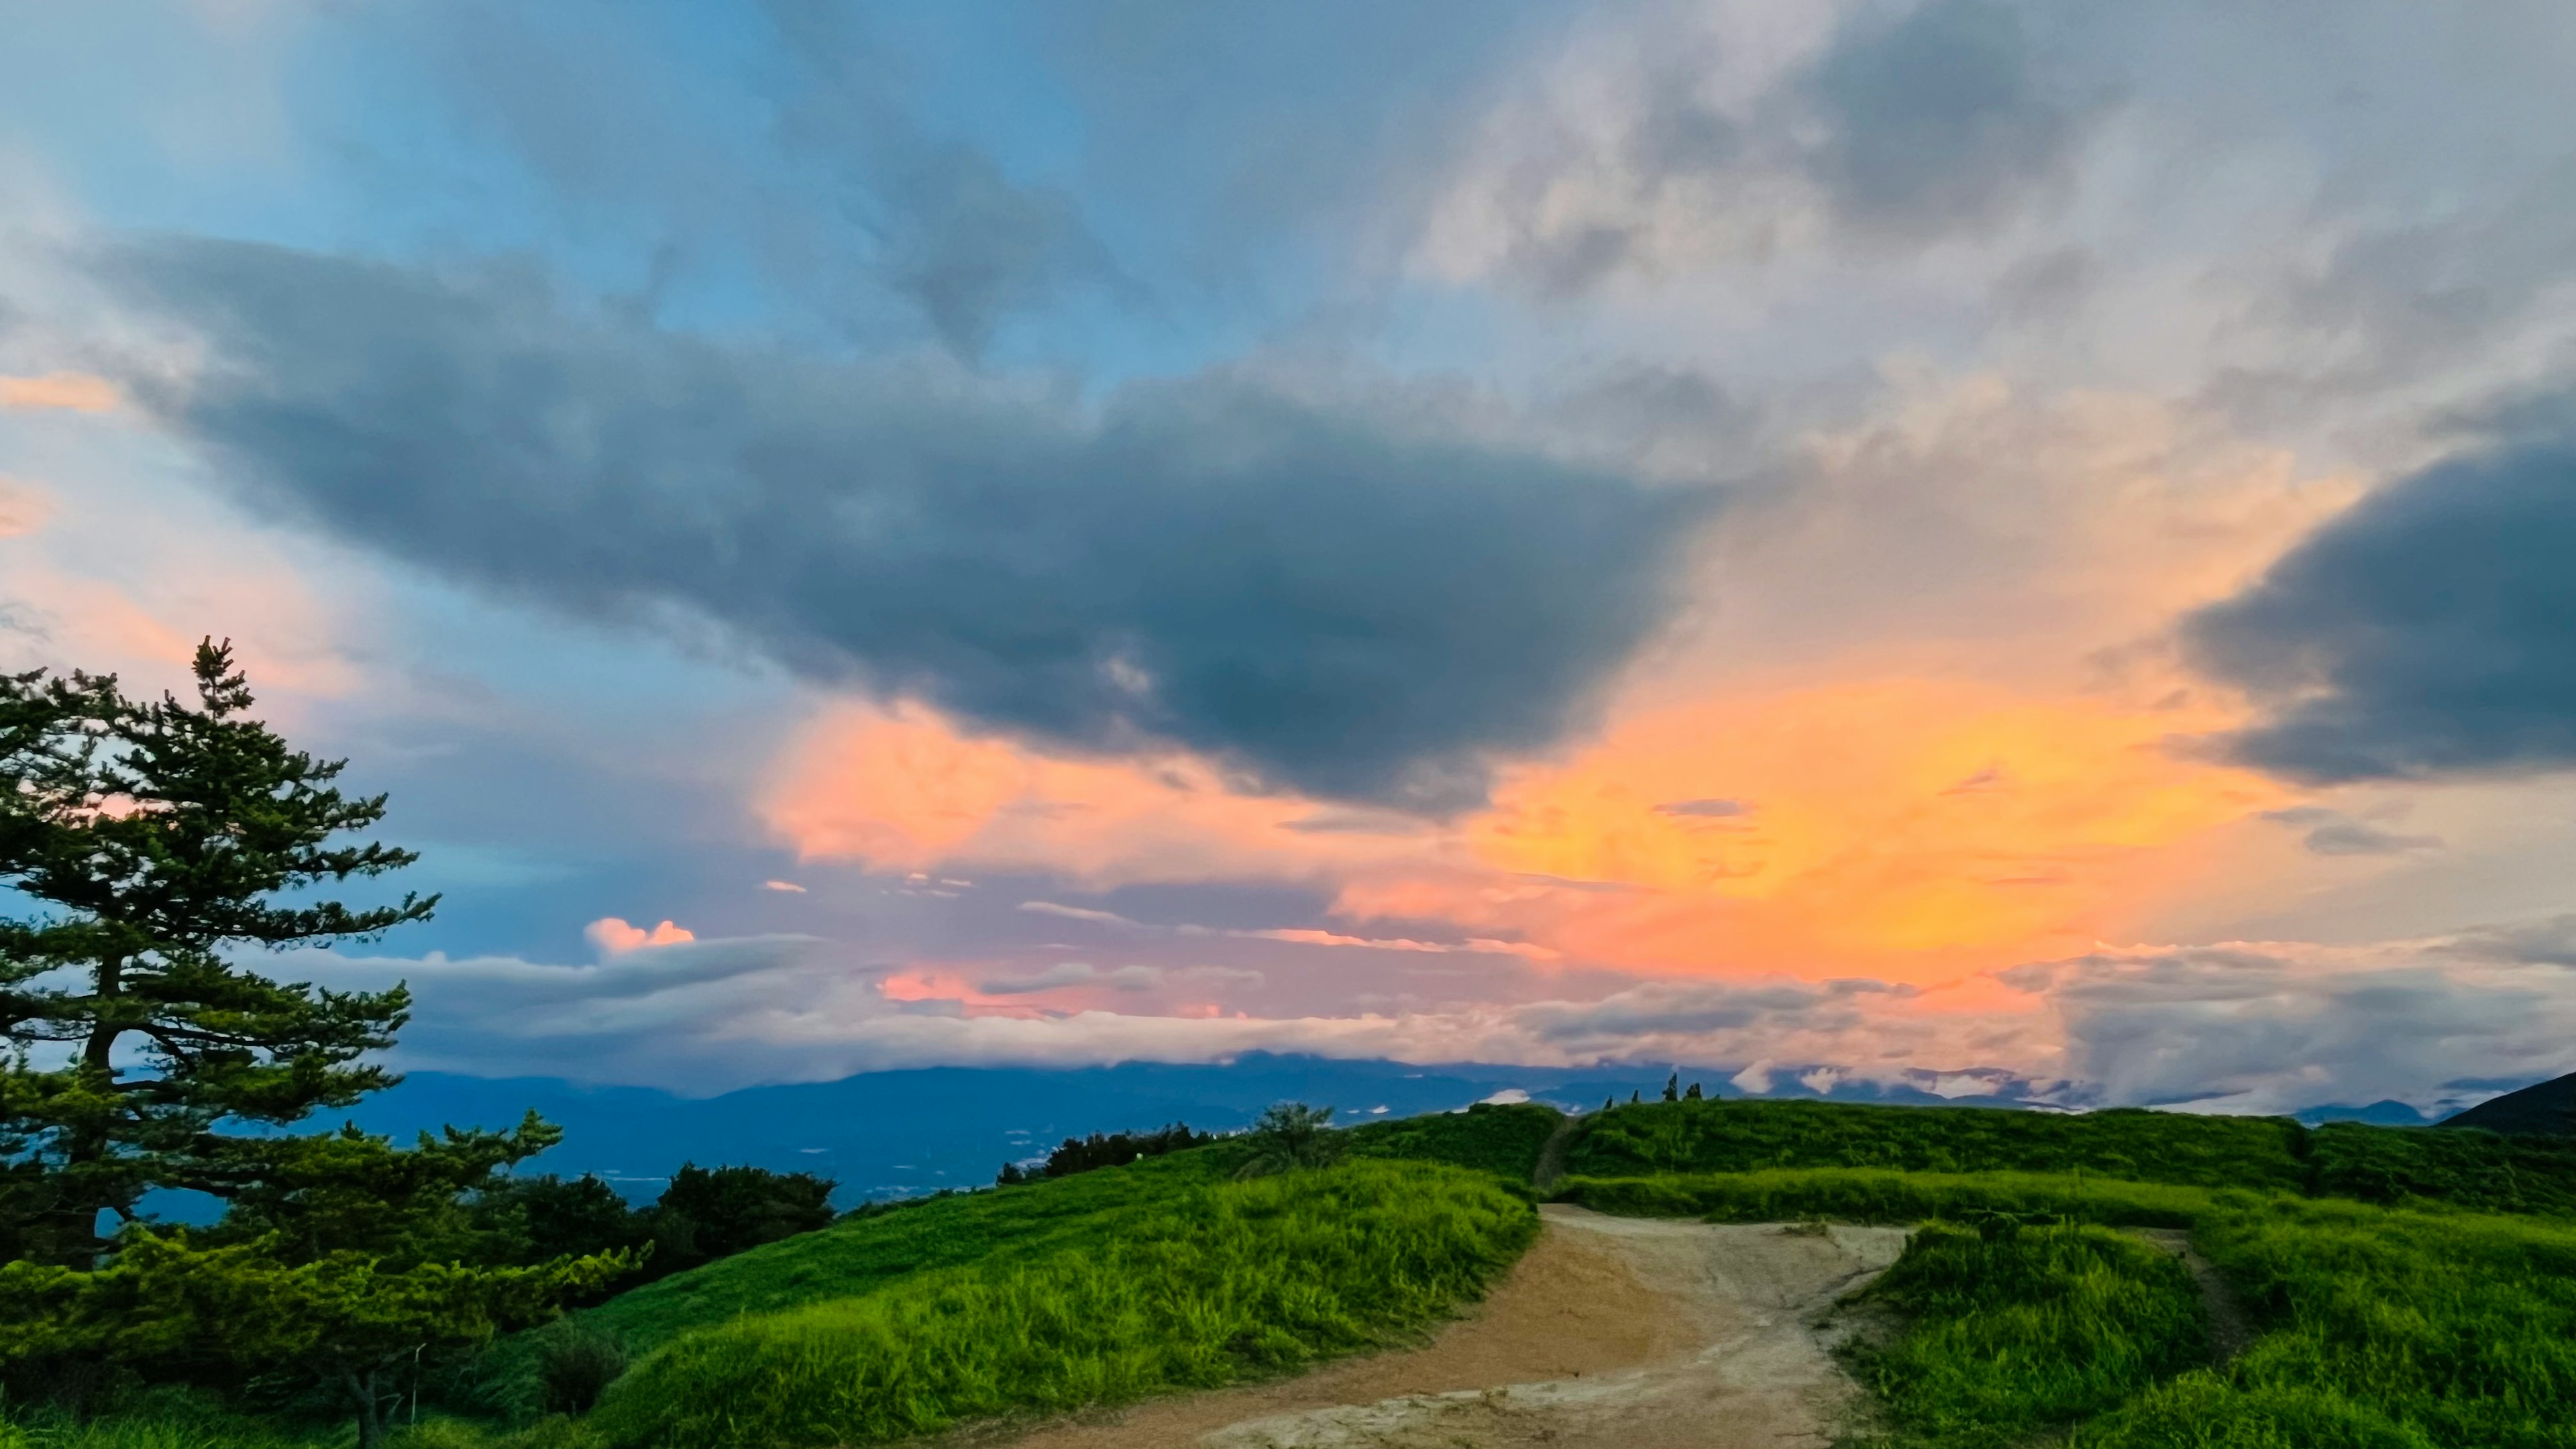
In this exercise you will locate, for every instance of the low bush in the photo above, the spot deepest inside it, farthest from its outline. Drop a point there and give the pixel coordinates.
(1204, 1284)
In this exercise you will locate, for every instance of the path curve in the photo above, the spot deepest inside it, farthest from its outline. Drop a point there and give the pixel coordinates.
(1611, 1333)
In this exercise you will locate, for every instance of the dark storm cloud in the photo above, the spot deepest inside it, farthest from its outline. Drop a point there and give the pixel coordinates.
(1336, 600)
(1940, 120)
(2430, 629)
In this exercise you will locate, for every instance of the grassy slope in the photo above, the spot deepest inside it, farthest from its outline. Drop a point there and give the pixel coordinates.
(1209, 1283)
(862, 1253)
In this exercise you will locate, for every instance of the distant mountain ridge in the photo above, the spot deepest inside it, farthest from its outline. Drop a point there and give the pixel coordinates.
(897, 1134)
(2545, 1108)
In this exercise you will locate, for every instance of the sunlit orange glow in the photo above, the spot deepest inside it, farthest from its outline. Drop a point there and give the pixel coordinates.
(1910, 829)
(1939, 820)
(73, 391)
(905, 789)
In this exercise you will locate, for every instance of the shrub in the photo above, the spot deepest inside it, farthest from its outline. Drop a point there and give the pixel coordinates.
(575, 1364)
(1291, 1135)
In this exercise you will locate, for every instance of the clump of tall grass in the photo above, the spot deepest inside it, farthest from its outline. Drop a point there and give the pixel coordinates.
(1868, 1195)
(2012, 1330)
(1211, 1283)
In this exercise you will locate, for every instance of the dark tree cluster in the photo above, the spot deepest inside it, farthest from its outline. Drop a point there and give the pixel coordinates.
(1105, 1149)
(706, 1213)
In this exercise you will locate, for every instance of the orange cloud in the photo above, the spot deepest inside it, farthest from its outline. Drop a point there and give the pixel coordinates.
(1916, 829)
(902, 788)
(1908, 828)
(613, 936)
(74, 391)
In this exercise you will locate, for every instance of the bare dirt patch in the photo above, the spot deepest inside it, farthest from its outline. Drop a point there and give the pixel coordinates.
(1621, 1333)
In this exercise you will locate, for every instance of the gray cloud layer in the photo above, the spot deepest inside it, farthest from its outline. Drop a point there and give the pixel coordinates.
(1347, 602)
(2431, 629)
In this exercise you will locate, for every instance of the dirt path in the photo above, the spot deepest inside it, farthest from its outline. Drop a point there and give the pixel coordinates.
(1611, 1333)
(2231, 1328)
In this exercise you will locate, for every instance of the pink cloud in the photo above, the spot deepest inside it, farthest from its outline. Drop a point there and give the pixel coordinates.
(614, 936)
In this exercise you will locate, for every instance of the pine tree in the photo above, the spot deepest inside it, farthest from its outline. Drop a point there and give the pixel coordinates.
(1673, 1087)
(1693, 1094)
(158, 838)
(1633, 1097)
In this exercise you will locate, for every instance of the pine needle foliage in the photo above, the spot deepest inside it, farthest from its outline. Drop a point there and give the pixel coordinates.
(156, 836)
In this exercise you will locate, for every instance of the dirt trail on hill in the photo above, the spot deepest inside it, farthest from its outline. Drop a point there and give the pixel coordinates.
(1611, 1333)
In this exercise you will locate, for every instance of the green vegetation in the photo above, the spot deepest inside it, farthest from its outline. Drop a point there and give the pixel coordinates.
(1502, 1138)
(1658, 1138)
(866, 1251)
(2407, 1289)
(2012, 1330)
(1659, 1142)
(2409, 1329)
(1104, 1149)
(2462, 1166)
(1194, 1289)
(1867, 1195)
(162, 842)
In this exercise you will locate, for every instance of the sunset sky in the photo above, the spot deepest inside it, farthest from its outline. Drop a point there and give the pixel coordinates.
(2005, 548)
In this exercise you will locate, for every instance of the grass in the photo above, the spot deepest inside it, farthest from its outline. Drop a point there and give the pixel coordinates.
(2014, 1330)
(2385, 1328)
(1660, 1138)
(1871, 1195)
(1501, 1138)
(2461, 1166)
(872, 1248)
(862, 1253)
(1215, 1282)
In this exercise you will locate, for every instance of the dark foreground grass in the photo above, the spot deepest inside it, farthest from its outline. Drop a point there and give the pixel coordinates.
(1217, 1281)
(2014, 1330)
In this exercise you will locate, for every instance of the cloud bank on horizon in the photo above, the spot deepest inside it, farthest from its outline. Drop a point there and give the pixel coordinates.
(1962, 541)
